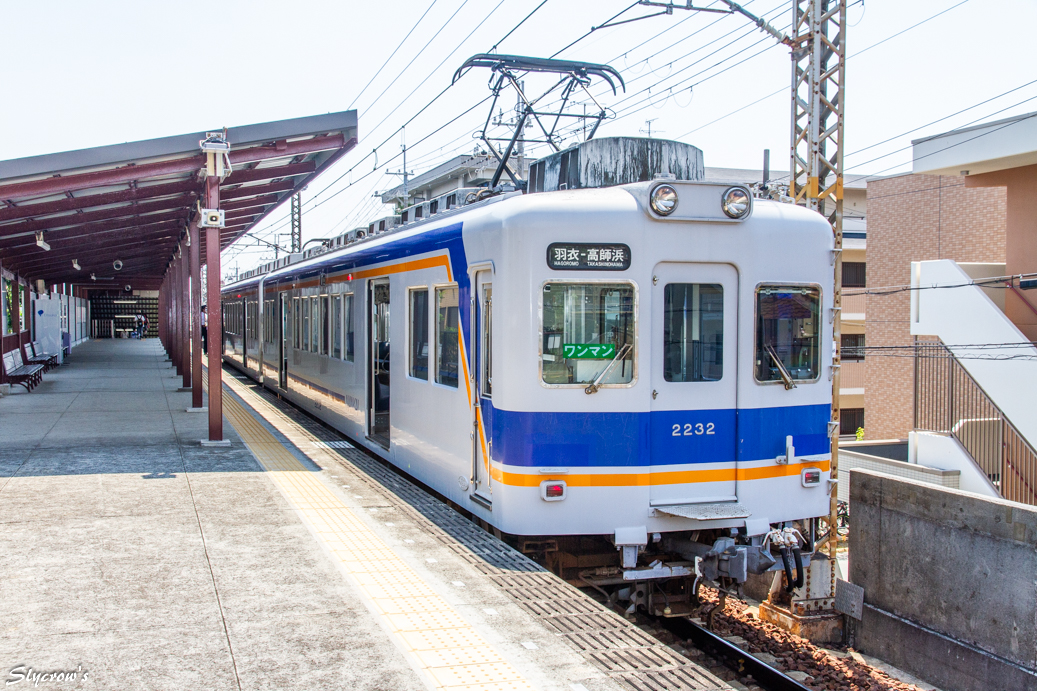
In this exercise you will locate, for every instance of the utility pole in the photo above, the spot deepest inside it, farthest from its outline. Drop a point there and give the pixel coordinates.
(406, 174)
(816, 173)
(296, 222)
(818, 44)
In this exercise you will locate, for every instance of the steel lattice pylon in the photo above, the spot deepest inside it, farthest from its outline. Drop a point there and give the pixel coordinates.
(816, 180)
(296, 223)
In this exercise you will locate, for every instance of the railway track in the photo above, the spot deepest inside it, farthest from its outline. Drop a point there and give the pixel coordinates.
(634, 657)
(739, 661)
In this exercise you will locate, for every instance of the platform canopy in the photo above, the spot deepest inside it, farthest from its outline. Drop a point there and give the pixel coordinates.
(132, 202)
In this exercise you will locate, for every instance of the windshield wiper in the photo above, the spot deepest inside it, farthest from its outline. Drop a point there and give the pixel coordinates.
(785, 376)
(593, 388)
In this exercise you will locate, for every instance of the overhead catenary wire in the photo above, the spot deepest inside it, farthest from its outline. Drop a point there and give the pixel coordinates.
(393, 54)
(311, 202)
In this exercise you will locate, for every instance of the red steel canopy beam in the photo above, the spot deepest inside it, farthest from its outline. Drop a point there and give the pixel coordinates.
(91, 230)
(254, 174)
(177, 166)
(74, 203)
(67, 220)
(253, 190)
(155, 241)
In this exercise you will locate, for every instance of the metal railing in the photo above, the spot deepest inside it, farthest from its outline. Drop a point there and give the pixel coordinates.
(948, 400)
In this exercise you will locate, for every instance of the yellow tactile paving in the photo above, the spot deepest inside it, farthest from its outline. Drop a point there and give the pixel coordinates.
(442, 643)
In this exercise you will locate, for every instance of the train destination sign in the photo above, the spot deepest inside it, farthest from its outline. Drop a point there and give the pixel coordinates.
(582, 256)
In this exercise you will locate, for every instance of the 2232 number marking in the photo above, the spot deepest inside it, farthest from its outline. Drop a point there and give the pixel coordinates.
(695, 430)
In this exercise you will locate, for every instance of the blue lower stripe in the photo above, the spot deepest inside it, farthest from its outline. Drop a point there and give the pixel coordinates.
(661, 438)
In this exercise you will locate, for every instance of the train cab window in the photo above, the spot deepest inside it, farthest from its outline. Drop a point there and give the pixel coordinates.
(788, 333)
(418, 346)
(693, 332)
(348, 354)
(588, 334)
(447, 333)
(336, 326)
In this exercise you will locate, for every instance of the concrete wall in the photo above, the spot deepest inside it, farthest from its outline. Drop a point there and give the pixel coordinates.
(916, 218)
(949, 582)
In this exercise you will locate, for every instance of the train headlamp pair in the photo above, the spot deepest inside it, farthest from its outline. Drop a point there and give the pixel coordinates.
(735, 201)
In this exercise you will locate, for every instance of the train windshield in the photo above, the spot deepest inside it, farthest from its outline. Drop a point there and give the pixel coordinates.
(588, 333)
(787, 332)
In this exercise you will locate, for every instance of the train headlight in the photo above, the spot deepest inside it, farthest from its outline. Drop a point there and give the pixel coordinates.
(736, 202)
(664, 200)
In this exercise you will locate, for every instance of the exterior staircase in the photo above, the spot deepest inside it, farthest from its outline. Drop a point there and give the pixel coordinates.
(975, 377)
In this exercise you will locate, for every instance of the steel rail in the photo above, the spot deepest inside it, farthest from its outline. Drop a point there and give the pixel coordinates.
(737, 659)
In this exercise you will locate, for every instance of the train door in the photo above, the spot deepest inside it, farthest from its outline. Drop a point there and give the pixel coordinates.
(482, 376)
(284, 319)
(378, 361)
(694, 375)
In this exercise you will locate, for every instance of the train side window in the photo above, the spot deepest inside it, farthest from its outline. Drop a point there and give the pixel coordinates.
(325, 325)
(588, 334)
(693, 332)
(418, 346)
(305, 304)
(336, 321)
(314, 324)
(348, 355)
(788, 335)
(297, 328)
(447, 333)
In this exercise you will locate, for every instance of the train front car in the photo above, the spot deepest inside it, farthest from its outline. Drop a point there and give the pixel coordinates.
(659, 378)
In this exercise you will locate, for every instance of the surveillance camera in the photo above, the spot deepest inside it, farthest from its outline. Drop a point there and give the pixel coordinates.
(117, 265)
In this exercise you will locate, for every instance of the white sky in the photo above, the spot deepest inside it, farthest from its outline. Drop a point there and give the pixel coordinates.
(82, 74)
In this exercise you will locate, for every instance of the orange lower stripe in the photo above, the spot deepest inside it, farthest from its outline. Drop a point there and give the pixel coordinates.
(675, 477)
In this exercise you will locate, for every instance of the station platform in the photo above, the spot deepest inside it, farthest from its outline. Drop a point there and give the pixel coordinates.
(288, 559)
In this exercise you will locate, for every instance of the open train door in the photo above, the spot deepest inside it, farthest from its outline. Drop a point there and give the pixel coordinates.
(694, 390)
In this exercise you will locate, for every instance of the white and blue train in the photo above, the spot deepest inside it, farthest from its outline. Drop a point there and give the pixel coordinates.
(645, 361)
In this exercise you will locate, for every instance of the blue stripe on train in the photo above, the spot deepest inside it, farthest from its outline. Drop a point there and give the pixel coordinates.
(625, 439)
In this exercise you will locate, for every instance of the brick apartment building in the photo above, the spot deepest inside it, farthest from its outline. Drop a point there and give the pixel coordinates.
(916, 218)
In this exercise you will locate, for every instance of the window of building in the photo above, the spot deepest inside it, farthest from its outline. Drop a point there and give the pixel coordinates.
(787, 333)
(588, 329)
(348, 355)
(854, 275)
(853, 347)
(336, 321)
(693, 332)
(447, 331)
(419, 333)
(850, 420)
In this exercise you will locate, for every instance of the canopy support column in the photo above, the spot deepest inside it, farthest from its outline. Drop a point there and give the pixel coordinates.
(185, 319)
(213, 308)
(174, 274)
(196, 320)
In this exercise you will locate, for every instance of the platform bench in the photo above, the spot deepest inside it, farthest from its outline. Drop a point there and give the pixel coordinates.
(38, 357)
(18, 373)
